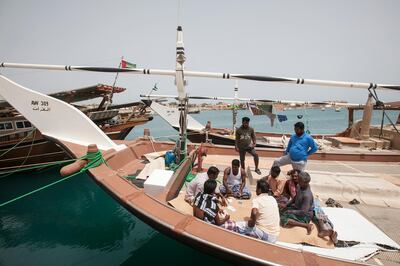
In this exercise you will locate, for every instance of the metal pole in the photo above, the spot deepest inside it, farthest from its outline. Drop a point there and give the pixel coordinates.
(220, 75)
(234, 111)
(182, 107)
(182, 97)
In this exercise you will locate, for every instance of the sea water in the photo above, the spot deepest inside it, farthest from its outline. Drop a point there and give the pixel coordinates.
(76, 223)
(315, 120)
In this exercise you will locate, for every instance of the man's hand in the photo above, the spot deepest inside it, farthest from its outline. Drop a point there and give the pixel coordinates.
(282, 205)
(252, 145)
(236, 148)
(223, 202)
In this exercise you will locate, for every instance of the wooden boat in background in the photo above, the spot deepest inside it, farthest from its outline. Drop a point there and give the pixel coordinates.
(384, 139)
(21, 146)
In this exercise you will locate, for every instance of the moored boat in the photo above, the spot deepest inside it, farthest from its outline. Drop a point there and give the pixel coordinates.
(124, 163)
(22, 146)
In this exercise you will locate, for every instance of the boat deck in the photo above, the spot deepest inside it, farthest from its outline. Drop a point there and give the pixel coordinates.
(384, 217)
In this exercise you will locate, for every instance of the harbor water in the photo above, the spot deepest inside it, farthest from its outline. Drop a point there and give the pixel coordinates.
(76, 223)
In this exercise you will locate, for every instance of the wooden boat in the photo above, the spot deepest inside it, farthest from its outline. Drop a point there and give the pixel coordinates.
(276, 142)
(124, 161)
(21, 146)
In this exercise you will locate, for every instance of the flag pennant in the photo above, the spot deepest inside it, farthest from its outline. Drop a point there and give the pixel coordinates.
(126, 64)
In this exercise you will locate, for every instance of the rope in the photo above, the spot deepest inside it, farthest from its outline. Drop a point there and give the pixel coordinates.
(89, 156)
(113, 86)
(13, 147)
(169, 136)
(152, 143)
(37, 190)
(29, 152)
(306, 118)
(375, 96)
(97, 159)
(7, 173)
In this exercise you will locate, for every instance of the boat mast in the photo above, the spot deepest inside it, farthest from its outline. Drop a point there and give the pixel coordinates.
(182, 99)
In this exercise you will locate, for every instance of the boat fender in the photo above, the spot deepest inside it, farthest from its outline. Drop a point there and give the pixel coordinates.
(79, 164)
(73, 168)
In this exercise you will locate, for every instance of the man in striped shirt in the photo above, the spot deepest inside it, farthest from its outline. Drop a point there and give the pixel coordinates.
(206, 207)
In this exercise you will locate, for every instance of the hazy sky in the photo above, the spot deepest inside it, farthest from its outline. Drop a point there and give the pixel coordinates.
(335, 40)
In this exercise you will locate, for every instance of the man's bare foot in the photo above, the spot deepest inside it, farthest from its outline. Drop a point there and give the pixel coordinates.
(334, 237)
(309, 228)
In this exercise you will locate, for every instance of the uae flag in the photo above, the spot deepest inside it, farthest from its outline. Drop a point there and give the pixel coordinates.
(126, 64)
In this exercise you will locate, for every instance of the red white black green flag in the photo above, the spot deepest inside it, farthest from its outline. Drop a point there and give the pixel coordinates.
(126, 64)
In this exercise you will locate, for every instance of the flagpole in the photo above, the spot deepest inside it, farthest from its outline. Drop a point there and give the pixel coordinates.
(113, 86)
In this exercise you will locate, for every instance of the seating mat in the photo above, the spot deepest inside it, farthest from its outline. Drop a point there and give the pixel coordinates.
(239, 210)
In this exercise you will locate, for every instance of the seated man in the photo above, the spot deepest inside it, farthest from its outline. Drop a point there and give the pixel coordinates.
(299, 210)
(264, 216)
(197, 185)
(205, 206)
(275, 181)
(208, 126)
(234, 182)
(289, 191)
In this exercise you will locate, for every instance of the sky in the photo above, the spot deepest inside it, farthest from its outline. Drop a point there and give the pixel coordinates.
(335, 40)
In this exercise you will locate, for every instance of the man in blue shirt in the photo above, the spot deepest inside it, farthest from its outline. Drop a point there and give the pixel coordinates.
(301, 145)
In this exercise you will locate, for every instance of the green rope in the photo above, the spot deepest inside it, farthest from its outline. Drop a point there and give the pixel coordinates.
(13, 147)
(190, 177)
(10, 172)
(37, 190)
(90, 156)
(97, 160)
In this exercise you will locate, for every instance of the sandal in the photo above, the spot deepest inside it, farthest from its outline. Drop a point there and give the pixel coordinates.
(354, 202)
